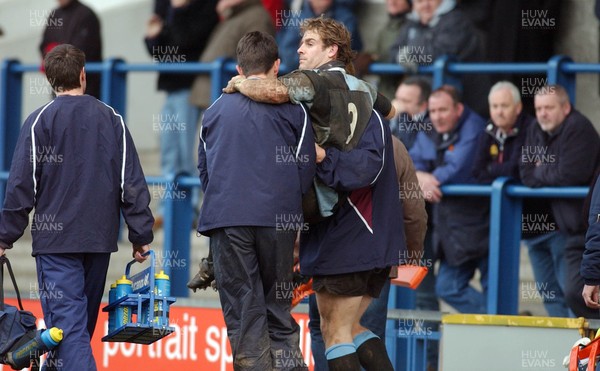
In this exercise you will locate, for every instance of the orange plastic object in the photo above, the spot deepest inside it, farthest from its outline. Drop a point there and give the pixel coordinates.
(410, 276)
(302, 291)
(579, 353)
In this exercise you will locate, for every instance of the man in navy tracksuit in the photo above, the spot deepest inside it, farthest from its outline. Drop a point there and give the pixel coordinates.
(590, 267)
(76, 164)
(256, 161)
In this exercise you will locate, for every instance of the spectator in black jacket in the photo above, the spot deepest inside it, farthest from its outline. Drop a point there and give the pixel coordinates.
(563, 149)
(498, 155)
(76, 165)
(76, 24)
(436, 28)
(177, 33)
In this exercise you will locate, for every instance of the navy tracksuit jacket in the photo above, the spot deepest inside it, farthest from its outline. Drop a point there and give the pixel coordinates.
(76, 164)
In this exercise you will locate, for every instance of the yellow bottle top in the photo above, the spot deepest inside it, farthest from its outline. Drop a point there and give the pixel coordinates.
(123, 281)
(113, 285)
(161, 276)
(56, 334)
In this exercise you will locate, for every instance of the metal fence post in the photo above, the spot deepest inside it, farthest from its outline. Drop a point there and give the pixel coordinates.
(178, 223)
(219, 77)
(504, 255)
(556, 75)
(114, 85)
(11, 94)
(441, 76)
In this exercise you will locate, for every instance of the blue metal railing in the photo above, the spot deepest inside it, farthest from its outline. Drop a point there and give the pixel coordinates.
(505, 198)
(559, 69)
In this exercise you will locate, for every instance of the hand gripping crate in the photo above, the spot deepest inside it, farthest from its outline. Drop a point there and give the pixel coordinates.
(150, 324)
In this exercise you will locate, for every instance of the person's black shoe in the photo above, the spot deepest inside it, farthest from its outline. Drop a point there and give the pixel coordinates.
(205, 278)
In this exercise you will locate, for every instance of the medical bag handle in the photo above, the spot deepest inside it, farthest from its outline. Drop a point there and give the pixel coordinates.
(4, 260)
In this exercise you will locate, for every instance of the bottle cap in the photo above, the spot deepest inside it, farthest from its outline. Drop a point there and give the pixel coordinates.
(113, 285)
(161, 276)
(123, 281)
(56, 334)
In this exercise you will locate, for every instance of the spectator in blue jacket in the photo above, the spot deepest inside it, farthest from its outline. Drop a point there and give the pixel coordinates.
(498, 155)
(445, 156)
(252, 233)
(590, 264)
(563, 149)
(288, 37)
(76, 164)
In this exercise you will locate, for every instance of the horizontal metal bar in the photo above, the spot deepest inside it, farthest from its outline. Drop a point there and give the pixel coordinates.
(581, 67)
(556, 192)
(468, 68)
(466, 190)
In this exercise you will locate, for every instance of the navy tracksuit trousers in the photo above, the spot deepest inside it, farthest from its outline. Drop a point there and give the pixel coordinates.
(70, 290)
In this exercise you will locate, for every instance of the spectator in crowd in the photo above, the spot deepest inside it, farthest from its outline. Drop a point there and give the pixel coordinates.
(174, 35)
(460, 225)
(590, 267)
(326, 46)
(250, 240)
(239, 17)
(436, 28)
(553, 157)
(478, 12)
(93, 176)
(275, 9)
(288, 37)
(410, 102)
(76, 24)
(499, 154)
(522, 31)
(380, 52)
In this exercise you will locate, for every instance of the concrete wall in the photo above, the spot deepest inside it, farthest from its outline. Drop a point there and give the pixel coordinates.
(579, 31)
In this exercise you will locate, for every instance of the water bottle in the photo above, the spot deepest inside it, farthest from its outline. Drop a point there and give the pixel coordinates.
(122, 312)
(162, 288)
(33, 346)
(112, 295)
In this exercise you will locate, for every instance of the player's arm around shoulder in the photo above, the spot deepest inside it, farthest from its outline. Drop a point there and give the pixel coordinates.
(269, 90)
